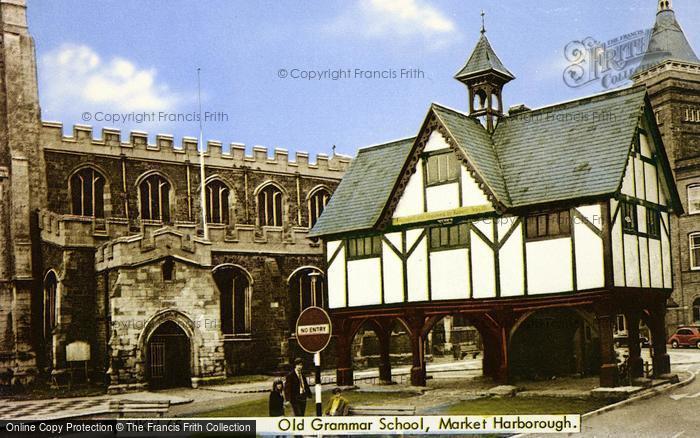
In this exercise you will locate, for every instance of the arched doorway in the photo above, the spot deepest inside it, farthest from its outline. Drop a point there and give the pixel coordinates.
(168, 357)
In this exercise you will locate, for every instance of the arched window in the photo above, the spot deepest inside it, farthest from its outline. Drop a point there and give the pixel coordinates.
(235, 289)
(50, 303)
(307, 287)
(87, 193)
(696, 311)
(317, 202)
(154, 192)
(217, 194)
(270, 206)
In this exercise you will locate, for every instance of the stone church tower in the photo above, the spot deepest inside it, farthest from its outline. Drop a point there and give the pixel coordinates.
(22, 190)
(671, 71)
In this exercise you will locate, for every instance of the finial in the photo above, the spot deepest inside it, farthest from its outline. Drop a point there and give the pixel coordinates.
(334, 150)
(665, 5)
(483, 25)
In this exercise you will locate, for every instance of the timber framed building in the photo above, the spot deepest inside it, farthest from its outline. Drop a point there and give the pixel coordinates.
(539, 226)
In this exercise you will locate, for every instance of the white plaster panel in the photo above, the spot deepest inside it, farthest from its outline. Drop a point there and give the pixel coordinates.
(395, 239)
(449, 274)
(632, 277)
(436, 142)
(618, 253)
(589, 258)
(486, 227)
(644, 261)
(655, 263)
(411, 202)
(639, 177)
(651, 183)
(336, 282)
(483, 269)
(331, 247)
(549, 266)
(512, 265)
(472, 195)
(666, 252)
(442, 197)
(364, 282)
(593, 214)
(628, 180)
(417, 267)
(392, 276)
(412, 236)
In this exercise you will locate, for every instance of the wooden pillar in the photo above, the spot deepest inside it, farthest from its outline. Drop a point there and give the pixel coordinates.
(609, 376)
(384, 356)
(661, 362)
(636, 363)
(502, 372)
(416, 324)
(344, 332)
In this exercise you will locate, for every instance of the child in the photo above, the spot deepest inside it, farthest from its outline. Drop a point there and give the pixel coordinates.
(338, 406)
(277, 399)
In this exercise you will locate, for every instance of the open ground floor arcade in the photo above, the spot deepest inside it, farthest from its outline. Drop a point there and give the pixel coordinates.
(530, 338)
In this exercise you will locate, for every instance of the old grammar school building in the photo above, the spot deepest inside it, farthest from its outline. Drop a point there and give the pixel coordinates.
(544, 228)
(543, 235)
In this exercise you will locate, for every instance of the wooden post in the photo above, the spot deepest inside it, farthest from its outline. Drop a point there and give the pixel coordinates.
(636, 363)
(609, 376)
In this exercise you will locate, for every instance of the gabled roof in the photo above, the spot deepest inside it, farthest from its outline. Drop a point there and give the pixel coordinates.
(565, 152)
(483, 59)
(474, 141)
(668, 42)
(365, 189)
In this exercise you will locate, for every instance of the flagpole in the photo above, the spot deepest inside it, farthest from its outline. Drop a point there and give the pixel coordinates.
(202, 190)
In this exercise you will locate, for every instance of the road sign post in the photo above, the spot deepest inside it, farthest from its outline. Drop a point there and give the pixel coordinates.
(313, 335)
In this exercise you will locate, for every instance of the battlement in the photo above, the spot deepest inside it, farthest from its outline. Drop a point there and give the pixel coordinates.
(165, 149)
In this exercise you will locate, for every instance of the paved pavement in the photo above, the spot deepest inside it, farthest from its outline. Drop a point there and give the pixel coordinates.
(675, 414)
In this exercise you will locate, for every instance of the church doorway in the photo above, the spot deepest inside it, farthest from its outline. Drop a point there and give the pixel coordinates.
(168, 357)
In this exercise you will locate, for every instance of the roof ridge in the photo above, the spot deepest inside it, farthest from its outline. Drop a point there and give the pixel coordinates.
(622, 91)
(386, 144)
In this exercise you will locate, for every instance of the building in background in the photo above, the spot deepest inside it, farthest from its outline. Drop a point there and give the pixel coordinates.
(101, 243)
(671, 72)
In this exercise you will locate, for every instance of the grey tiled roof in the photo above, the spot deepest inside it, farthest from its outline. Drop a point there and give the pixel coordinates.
(483, 59)
(668, 42)
(568, 151)
(563, 152)
(360, 197)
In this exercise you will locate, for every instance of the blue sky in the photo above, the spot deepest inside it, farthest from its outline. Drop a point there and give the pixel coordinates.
(131, 57)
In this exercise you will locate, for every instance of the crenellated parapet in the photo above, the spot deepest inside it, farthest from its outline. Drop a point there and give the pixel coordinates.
(165, 148)
(132, 251)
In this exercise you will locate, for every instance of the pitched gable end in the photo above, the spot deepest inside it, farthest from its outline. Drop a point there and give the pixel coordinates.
(427, 186)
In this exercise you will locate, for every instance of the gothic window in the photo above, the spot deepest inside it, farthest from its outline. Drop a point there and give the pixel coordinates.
(695, 251)
(270, 206)
(154, 193)
(306, 288)
(694, 199)
(87, 193)
(235, 289)
(696, 311)
(50, 303)
(441, 169)
(548, 226)
(317, 202)
(217, 197)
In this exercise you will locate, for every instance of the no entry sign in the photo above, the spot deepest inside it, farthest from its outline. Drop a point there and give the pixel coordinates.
(313, 329)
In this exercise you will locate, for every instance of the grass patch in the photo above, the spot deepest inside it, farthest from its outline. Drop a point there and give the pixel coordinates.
(259, 408)
(525, 405)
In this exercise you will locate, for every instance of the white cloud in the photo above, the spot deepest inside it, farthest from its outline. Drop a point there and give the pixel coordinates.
(75, 76)
(394, 18)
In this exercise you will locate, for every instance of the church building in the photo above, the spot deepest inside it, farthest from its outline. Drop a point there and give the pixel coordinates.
(539, 226)
(103, 248)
